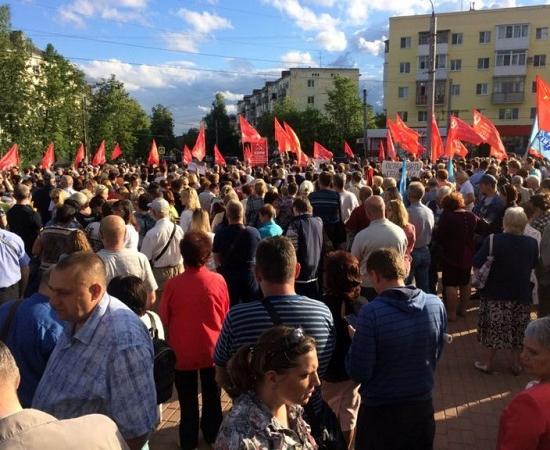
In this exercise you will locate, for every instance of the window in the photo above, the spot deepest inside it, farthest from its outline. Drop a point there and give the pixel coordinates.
(516, 31)
(402, 91)
(455, 112)
(511, 58)
(456, 38)
(455, 89)
(422, 116)
(534, 87)
(482, 63)
(542, 33)
(539, 60)
(484, 37)
(311, 100)
(424, 38)
(482, 89)
(310, 83)
(533, 113)
(509, 85)
(404, 67)
(404, 115)
(440, 61)
(423, 62)
(405, 42)
(456, 64)
(508, 113)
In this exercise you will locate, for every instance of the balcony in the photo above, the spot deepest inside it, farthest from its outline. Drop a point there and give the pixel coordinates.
(498, 98)
(422, 100)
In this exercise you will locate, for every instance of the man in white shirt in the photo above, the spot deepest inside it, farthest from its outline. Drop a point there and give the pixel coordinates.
(381, 233)
(121, 261)
(348, 200)
(466, 188)
(161, 246)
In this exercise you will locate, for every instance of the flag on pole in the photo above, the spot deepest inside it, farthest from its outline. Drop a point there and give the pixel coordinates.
(153, 157)
(281, 136)
(406, 137)
(218, 157)
(464, 132)
(543, 103)
(99, 157)
(293, 140)
(49, 157)
(247, 154)
(199, 150)
(11, 158)
(320, 152)
(390, 147)
(117, 152)
(539, 142)
(403, 179)
(187, 157)
(437, 143)
(489, 133)
(348, 151)
(79, 155)
(381, 155)
(248, 132)
(303, 159)
(451, 169)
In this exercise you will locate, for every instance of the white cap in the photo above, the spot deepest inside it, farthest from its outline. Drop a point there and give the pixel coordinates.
(160, 206)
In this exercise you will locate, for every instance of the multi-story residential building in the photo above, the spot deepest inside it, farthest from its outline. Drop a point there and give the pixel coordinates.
(485, 59)
(305, 87)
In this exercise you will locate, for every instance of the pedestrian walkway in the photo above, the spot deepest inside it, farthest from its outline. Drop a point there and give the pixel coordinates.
(468, 403)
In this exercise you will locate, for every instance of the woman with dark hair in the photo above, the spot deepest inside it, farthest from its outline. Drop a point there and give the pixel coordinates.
(270, 382)
(342, 288)
(125, 209)
(193, 307)
(455, 237)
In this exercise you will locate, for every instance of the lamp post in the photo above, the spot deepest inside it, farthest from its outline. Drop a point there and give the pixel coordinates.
(431, 79)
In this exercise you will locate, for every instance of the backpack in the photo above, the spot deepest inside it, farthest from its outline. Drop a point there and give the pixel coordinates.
(164, 368)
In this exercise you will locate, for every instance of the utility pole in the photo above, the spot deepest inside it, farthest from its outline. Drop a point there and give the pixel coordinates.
(431, 79)
(365, 123)
(217, 132)
(85, 127)
(449, 104)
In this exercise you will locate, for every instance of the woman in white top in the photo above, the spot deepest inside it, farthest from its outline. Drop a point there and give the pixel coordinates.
(190, 200)
(200, 222)
(124, 209)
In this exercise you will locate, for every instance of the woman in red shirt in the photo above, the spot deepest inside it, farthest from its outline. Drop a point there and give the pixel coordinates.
(525, 422)
(193, 308)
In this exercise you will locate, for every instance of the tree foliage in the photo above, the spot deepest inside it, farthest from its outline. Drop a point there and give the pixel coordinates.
(220, 128)
(162, 127)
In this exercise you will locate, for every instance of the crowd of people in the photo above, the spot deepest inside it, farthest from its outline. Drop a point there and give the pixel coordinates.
(318, 298)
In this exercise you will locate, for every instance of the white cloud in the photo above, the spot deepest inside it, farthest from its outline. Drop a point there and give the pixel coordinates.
(181, 41)
(203, 108)
(323, 3)
(375, 47)
(77, 12)
(358, 10)
(204, 22)
(230, 97)
(297, 58)
(231, 109)
(332, 40)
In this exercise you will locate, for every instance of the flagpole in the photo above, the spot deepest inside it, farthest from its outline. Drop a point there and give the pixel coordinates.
(532, 140)
(431, 78)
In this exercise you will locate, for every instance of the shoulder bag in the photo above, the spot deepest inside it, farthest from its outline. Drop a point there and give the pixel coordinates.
(163, 251)
(480, 275)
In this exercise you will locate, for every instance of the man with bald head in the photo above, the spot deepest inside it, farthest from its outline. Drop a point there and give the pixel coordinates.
(121, 261)
(381, 233)
(103, 361)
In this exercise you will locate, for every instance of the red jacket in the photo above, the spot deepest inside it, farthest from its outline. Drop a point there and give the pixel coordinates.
(193, 307)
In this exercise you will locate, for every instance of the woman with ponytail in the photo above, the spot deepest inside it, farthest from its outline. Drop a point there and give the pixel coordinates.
(270, 382)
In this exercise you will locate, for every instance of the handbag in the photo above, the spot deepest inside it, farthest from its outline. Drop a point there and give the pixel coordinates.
(481, 274)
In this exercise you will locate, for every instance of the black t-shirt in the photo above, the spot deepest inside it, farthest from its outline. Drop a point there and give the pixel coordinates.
(236, 245)
(41, 200)
(26, 223)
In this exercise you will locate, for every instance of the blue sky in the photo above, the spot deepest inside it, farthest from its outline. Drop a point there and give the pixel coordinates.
(180, 53)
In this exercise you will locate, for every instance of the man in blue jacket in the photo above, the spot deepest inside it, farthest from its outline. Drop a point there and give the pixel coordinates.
(394, 351)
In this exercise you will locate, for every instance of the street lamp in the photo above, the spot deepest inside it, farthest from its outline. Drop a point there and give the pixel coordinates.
(431, 79)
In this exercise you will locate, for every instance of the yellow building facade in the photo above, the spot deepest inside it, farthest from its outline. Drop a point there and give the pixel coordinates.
(485, 59)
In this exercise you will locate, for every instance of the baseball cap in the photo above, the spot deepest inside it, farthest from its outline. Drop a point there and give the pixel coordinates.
(160, 205)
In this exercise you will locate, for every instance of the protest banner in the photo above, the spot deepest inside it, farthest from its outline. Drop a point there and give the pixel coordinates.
(393, 169)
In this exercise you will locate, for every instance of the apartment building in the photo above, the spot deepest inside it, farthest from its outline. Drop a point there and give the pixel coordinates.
(485, 59)
(305, 87)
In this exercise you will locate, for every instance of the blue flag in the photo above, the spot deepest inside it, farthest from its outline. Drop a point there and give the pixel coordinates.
(540, 140)
(451, 170)
(403, 180)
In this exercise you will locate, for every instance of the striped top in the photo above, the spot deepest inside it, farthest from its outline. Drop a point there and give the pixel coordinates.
(326, 205)
(247, 321)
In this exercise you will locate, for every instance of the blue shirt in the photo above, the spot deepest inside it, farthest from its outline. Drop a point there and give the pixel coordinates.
(106, 367)
(34, 331)
(12, 258)
(270, 229)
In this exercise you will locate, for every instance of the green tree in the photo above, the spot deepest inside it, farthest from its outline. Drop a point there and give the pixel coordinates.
(116, 117)
(162, 127)
(220, 128)
(379, 120)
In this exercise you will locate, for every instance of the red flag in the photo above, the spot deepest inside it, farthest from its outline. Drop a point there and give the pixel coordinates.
(543, 103)
(348, 151)
(79, 155)
(303, 159)
(460, 149)
(293, 139)
(535, 154)
(320, 152)
(153, 157)
(405, 136)
(48, 158)
(437, 143)
(187, 157)
(381, 155)
(218, 157)
(487, 130)
(248, 132)
(389, 145)
(199, 150)
(247, 154)
(11, 158)
(99, 157)
(465, 132)
(117, 151)
(281, 136)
